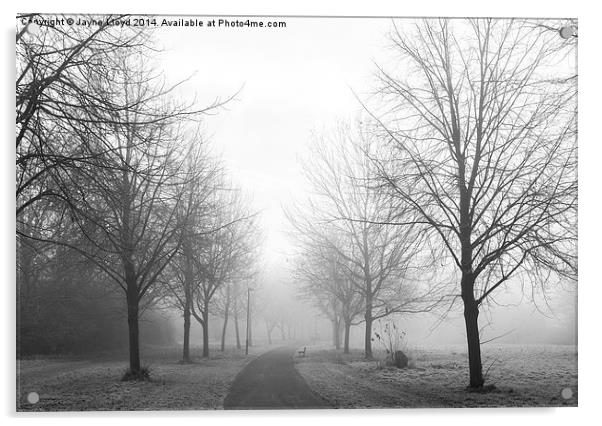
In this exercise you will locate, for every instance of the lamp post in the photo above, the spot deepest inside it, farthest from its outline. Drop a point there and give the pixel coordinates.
(248, 320)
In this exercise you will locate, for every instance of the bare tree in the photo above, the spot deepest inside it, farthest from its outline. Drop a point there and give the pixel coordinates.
(238, 304)
(480, 135)
(230, 298)
(134, 198)
(126, 201)
(55, 104)
(326, 280)
(224, 255)
(67, 101)
(376, 254)
(222, 307)
(270, 325)
(196, 209)
(98, 132)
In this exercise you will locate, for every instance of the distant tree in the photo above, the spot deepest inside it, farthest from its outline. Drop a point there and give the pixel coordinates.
(325, 277)
(277, 306)
(231, 301)
(238, 304)
(222, 307)
(480, 142)
(180, 277)
(377, 256)
(230, 298)
(270, 325)
(225, 253)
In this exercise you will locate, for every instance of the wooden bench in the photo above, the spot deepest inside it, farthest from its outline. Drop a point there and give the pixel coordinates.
(302, 353)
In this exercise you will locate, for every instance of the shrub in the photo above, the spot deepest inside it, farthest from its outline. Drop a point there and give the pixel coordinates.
(392, 339)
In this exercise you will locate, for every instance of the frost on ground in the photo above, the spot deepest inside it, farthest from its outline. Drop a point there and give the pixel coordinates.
(526, 375)
(74, 385)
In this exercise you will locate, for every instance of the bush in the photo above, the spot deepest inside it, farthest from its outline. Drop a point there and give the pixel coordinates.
(393, 340)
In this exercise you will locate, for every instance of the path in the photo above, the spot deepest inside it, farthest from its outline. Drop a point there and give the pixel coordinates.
(271, 381)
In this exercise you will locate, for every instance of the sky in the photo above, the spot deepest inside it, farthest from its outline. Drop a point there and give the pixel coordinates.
(292, 81)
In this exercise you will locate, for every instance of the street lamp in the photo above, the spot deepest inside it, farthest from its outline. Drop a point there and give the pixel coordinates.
(249, 289)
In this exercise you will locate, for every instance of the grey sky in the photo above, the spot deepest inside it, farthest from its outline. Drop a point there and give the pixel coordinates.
(296, 79)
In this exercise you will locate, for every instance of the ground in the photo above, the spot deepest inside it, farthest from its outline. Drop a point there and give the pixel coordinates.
(525, 375)
(70, 384)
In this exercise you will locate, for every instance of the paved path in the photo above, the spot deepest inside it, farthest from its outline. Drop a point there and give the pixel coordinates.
(271, 381)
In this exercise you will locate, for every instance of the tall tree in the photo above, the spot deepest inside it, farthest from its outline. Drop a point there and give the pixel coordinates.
(134, 198)
(480, 140)
(127, 200)
(99, 133)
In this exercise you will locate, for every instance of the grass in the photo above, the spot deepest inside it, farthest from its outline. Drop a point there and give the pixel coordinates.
(523, 375)
(142, 375)
(77, 384)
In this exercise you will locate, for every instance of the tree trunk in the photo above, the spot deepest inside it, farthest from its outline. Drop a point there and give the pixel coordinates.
(132, 305)
(250, 330)
(346, 343)
(282, 332)
(368, 333)
(238, 346)
(206, 332)
(474, 347)
(471, 319)
(336, 334)
(267, 327)
(223, 347)
(471, 307)
(186, 347)
(188, 285)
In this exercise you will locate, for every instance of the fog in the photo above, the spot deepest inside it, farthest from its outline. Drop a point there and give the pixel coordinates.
(515, 322)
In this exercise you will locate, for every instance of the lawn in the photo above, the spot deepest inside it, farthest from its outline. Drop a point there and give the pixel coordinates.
(525, 375)
(72, 384)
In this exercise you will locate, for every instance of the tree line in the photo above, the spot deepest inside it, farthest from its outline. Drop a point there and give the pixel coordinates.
(119, 196)
(458, 180)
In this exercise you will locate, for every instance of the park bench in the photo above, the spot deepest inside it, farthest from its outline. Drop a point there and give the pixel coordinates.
(302, 353)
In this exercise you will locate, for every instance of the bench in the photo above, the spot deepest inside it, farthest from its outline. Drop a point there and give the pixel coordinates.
(302, 353)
